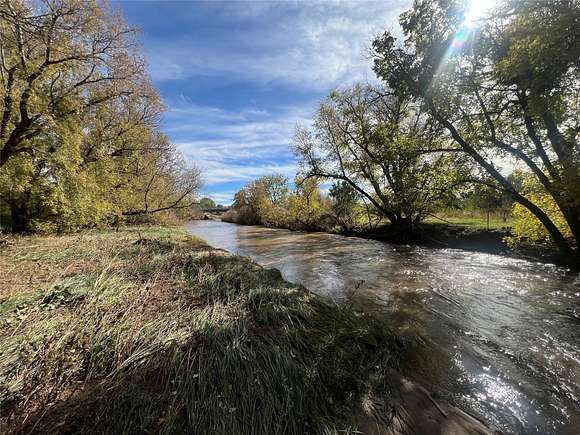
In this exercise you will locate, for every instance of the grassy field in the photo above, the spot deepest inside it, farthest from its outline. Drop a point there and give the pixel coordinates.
(471, 220)
(146, 329)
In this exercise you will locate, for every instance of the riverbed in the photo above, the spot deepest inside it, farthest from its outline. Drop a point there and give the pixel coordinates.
(502, 335)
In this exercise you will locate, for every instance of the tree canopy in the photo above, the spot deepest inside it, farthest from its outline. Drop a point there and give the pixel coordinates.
(384, 146)
(79, 136)
(506, 88)
(270, 201)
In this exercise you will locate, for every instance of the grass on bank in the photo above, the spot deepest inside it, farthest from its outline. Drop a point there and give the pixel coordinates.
(477, 221)
(149, 330)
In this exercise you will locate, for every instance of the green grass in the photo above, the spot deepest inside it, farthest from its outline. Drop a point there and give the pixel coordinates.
(474, 220)
(149, 330)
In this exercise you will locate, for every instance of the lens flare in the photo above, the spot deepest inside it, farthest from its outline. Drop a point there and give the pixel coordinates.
(460, 39)
(476, 11)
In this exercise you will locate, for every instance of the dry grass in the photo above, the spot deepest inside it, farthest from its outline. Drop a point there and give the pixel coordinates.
(149, 330)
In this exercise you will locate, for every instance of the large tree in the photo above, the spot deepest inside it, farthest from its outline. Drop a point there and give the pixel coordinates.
(263, 201)
(58, 59)
(384, 147)
(160, 179)
(79, 134)
(344, 204)
(505, 85)
(276, 188)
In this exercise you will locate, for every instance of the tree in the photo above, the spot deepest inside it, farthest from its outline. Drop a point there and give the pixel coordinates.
(384, 147)
(269, 201)
(59, 59)
(246, 205)
(275, 187)
(345, 204)
(262, 201)
(79, 137)
(307, 207)
(526, 227)
(504, 87)
(487, 199)
(50, 190)
(207, 203)
(272, 201)
(169, 182)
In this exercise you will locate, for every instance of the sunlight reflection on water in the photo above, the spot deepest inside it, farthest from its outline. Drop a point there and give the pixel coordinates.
(504, 341)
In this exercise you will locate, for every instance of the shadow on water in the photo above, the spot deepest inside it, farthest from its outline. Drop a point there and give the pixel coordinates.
(502, 337)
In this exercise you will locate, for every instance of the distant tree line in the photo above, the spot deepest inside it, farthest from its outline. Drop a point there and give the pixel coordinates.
(457, 101)
(270, 201)
(79, 138)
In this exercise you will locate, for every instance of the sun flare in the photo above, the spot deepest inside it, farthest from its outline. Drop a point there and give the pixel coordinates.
(477, 10)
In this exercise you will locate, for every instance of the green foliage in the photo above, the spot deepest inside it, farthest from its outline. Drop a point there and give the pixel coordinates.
(269, 201)
(526, 227)
(483, 199)
(307, 206)
(245, 209)
(385, 147)
(272, 200)
(79, 139)
(275, 188)
(205, 203)
(51, 194)
(504, 87)
(345, 204)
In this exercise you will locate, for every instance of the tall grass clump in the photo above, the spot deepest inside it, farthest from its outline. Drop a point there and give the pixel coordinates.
(166, 335)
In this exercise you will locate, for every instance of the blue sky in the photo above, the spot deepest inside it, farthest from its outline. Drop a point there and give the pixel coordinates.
(238, 76)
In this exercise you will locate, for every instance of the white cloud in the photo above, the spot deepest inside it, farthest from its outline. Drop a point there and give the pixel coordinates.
(312, 45)
(302, 47)
(237, 146)
(214, 173)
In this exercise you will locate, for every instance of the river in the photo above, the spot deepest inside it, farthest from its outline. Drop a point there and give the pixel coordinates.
(502, 335)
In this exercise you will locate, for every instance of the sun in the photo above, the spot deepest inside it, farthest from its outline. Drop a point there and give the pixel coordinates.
(476, 11)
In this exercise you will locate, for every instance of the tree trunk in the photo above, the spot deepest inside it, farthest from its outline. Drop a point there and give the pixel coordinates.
(19, 219)
(572, 216)
(556, 235)
(487, 219)
(403, 226)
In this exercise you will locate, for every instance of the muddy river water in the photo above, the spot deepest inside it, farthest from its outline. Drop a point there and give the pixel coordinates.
(502, 335)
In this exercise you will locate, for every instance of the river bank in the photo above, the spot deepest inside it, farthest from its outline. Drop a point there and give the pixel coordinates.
(148, 329)
(445, 236)
(498, 332)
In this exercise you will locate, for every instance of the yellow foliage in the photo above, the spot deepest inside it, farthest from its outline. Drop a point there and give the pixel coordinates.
(526, 227)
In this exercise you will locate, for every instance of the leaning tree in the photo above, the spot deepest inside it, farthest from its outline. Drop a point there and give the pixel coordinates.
(505, 85)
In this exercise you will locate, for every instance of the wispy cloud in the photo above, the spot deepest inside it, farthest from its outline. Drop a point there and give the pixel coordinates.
(238, 76)
(223, 198)
(237, 146)
(312, 45)
(220, 173)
